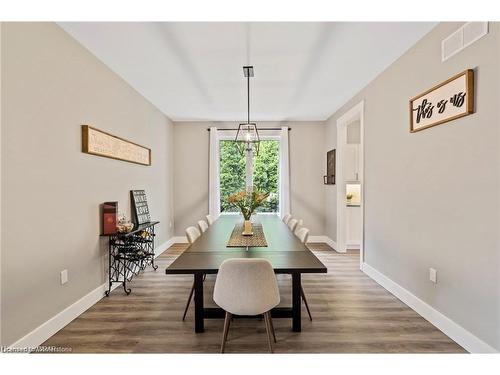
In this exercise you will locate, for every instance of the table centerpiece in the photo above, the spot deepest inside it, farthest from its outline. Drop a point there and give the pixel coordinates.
(248, 201)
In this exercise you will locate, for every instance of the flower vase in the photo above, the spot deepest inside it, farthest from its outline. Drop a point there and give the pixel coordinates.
(247, 228)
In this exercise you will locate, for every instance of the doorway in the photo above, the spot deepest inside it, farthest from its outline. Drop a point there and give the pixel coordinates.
(350, 181)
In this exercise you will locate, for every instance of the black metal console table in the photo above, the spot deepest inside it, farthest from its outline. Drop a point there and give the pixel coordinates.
(129, 253)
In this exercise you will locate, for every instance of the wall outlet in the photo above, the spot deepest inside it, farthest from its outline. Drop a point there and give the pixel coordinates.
(433, 275)
(64, 277)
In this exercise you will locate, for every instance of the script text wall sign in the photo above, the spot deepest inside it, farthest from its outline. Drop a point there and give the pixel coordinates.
(452, 99)
(100, 143)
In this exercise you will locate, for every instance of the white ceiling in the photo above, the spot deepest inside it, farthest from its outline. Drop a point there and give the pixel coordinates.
(193, 71)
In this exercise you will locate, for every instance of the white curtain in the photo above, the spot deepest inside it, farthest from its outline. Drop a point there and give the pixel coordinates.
(214, 177)
(284, 173)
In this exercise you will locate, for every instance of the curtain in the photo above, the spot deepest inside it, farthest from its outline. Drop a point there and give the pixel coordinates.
(284, 173)
(214, 176)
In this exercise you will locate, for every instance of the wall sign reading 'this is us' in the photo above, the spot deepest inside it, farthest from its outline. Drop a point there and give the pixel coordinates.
(447, 101)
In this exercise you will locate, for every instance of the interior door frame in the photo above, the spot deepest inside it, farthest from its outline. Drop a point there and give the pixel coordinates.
(356, 113)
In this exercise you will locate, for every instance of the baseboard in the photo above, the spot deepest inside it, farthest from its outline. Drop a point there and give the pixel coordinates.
(43, 332)
(451, 329)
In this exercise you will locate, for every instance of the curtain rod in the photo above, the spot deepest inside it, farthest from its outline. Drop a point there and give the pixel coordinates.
(259, 129)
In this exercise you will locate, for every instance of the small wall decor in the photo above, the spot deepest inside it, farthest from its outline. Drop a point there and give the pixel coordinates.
(100, 143)
(452, 99)
(329, 178)
(140, 209)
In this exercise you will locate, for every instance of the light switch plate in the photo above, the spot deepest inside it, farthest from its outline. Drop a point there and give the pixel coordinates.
(433, 275)
(64, 277)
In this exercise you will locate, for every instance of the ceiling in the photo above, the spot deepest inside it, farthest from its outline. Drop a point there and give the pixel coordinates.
(193, 71)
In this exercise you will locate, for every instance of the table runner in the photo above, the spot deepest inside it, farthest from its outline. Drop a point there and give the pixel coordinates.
(258, 239)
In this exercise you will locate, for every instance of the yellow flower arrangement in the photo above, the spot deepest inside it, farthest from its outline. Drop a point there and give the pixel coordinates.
(248, 201)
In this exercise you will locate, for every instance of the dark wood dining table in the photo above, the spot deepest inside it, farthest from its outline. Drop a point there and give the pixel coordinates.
(284, 250)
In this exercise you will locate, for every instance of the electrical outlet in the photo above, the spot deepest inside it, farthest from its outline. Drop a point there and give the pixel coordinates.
(64, 277)
(433, 275)
(170, 225)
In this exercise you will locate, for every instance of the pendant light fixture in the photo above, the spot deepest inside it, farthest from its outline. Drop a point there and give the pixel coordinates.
(247, 136)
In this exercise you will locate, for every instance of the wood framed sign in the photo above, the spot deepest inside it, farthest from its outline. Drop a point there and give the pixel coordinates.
(452, 99)
(100, 143)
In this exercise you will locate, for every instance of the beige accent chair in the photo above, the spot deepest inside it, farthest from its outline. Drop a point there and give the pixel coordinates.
(286, 218)
(247, 286)
(192, 235)
(202, 224)
(210, 219)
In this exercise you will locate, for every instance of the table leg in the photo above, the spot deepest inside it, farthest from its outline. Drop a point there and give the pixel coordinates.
(198, 303)
(296, 303)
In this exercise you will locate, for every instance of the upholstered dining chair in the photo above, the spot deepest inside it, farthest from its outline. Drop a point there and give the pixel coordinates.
(202, 224)
(303, 235)
(292, 224)
(247, 286)
(299, 225)
(210, 219)
(286, 218)
(192, 234)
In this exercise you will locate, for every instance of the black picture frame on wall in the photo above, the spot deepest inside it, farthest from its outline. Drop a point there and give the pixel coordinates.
(329, 178)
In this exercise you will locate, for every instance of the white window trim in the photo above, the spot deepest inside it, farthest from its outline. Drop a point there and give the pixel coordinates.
(230, 136)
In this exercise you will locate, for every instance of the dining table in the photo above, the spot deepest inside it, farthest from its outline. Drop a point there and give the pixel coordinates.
(287, 254)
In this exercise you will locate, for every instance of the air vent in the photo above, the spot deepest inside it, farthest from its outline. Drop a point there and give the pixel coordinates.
(462, 38)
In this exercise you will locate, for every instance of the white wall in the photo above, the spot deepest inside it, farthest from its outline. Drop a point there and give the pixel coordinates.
(307, 167)
(51, 191)
(431, 198)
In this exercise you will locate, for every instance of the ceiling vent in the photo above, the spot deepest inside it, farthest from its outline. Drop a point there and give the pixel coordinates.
(462, 38)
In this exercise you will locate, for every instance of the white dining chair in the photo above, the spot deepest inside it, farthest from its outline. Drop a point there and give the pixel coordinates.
(210, 219)
(303, 234)
(286, 218)
(202, 224)
(298, 226)
(192, 234)
(247, 286)
(292, 224)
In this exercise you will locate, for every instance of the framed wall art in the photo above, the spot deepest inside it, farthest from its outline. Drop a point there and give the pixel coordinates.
(452, 99)
(329, 178)
(100, 143)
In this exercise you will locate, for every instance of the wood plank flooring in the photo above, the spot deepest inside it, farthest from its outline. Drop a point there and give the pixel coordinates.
(351, 314)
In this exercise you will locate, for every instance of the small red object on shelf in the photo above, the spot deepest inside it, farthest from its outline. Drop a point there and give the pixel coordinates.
(109, 217)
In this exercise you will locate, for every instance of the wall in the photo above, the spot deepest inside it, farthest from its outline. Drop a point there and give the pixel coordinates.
(51, 191)
(307, 167)
(432, 197)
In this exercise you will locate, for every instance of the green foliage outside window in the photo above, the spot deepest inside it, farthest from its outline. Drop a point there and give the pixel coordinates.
(265, 174)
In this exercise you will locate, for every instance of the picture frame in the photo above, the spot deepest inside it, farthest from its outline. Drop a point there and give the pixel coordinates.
(100, 143)
(445, 102)
(329, 178)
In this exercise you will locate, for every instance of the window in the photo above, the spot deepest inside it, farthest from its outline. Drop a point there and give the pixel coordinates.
(263, 170)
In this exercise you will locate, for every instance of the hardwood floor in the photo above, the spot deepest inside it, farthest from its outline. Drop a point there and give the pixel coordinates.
(351, 314)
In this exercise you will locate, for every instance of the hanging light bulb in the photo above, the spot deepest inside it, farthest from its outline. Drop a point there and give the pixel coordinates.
(247, 134)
